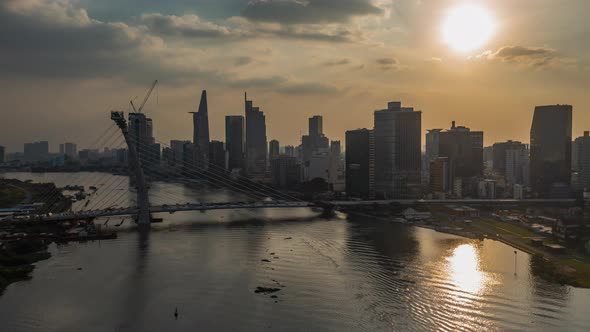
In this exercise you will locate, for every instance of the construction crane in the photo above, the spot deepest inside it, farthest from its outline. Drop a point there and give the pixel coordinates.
(147, 96)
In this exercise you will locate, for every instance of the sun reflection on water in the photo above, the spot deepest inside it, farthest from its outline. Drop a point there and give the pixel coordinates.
(464, 269)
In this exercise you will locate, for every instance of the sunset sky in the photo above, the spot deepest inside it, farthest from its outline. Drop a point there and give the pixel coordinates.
(65, 64)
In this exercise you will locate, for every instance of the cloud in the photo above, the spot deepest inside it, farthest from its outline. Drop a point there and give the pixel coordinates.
(190, 26)
(306, 88)
(243, 60)
(528, 56)
(387, 63)
(336, 62)
(308, 11)
(237, 29)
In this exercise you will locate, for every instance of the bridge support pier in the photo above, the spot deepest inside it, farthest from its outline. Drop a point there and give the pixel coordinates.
(143, 203)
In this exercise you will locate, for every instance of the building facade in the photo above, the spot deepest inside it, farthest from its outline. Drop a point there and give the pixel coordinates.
(235, 141)
(551, 155)
(360, 163)
(201, 133)
(398, 144)
(256, 144)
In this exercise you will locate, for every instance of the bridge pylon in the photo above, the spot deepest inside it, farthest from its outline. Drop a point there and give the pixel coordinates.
(143, 203)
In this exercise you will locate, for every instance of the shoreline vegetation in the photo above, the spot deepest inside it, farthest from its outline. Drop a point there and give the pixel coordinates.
(18, 252)
(569, 268)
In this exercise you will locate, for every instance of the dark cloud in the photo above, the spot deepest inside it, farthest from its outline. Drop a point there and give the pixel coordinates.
(308, 11)
(190, 26)
(530, 56)
(336, 62)
(387, 63)
(306, 88)
(243, 60)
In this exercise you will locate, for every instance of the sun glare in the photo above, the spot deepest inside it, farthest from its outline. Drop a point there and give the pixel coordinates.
(467, 27)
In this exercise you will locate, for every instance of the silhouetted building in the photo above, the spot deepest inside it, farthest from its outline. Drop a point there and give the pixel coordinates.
(488, 157)
(216, 156)
(315, 142)
(398, 133)
(551, 155)
(141, 135)
(464, 148)
(583, 165)
(70, 150)
(517, 166)
(273, 149)
(201, 132)
(499, 153)
(290, 150)
(285, 171)
(440, 175)
(432, 142)
(256, 146)
(2, 154)
(234, 141)
(176, 154)
(360, 163)
(36, 151)
(316, 126)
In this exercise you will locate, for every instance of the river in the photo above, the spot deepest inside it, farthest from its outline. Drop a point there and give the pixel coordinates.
(342, 274)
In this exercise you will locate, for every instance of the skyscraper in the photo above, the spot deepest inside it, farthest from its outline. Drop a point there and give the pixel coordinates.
(201, 132)
(551, 150)
(36, 151)
(216, 156)
(273, 149)
(315, 142)
(398, 140)
(360, 163)
(141, 134)
(256, 144)
(316, 126)
(2, 154)
(516, 168)
(234, 141)
(464, 148)
(70, 150)
(499, 154)
(583, 152)
(440, 181)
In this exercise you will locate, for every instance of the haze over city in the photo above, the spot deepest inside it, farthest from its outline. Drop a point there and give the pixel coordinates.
(65, 63)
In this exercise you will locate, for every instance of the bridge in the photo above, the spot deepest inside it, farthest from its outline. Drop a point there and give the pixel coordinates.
(108, 197)
(111, 195)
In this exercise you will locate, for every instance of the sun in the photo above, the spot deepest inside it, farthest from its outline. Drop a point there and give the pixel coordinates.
(468, 27)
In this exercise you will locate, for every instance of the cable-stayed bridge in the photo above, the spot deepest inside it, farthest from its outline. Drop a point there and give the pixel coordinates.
(112, 196)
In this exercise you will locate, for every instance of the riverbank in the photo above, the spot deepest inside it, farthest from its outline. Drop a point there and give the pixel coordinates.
(17, 258)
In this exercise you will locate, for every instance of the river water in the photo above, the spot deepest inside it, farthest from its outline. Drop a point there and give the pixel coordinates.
(342, 274)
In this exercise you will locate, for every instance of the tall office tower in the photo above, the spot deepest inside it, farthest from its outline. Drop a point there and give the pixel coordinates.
(336, 168)
(36, 151)
(440, 180)
(273, 149)
(70, 150)
(256, 150)
(516, 169)
(360, 163)
(201, 132)
(488, 157)
(216, 156)
(316, 126)
(234, 141)
(464, 148)
(398, 133)
(583, 152)
(285, 171)
(316, 142)
(432, 139)
(141, 135)
(176, 156)
(499, 154)
(551, 151)
(290, 150)
(2, 154)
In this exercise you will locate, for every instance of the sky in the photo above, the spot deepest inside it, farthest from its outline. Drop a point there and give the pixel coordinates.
(65, 64)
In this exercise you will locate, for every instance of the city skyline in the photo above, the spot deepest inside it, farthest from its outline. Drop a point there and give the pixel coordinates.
(390, 50)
